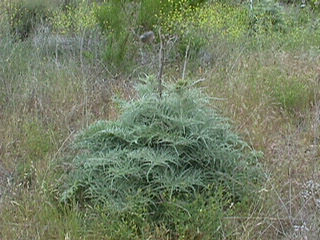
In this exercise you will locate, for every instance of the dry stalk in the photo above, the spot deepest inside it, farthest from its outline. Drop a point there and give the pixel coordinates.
(185, 61)
(161, 62)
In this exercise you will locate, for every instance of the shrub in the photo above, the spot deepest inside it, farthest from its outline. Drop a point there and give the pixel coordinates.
(159, 153)
(147, 17)
(315, 4)
(114, 21)
(199, 26)
(117, 19)
(155, 13)
(25, 15)
(74, 18)
(267, 16)
(230, 21)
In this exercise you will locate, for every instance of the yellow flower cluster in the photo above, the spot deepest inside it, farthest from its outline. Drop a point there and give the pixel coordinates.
(226, 20)
(77, 19)
(229, 21)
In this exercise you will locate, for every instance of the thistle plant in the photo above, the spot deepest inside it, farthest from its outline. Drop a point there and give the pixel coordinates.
(159, 151)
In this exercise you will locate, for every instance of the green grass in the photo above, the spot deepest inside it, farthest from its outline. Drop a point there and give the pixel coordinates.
(266, 82)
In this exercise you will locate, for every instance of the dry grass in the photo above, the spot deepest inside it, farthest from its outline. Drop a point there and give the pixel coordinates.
(289, 203)
(288, 207)
(45, 101)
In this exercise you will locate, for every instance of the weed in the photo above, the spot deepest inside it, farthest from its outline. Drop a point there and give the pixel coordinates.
(24, 16)
(292, 94)
(75, 19)
(267, 16)
(114, 22)
(160, 154)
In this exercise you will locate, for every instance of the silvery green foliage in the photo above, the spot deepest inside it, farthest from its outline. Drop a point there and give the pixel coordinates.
(160, 150)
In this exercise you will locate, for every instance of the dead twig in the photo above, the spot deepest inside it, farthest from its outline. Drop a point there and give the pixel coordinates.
(161, 63)
(185, 61)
